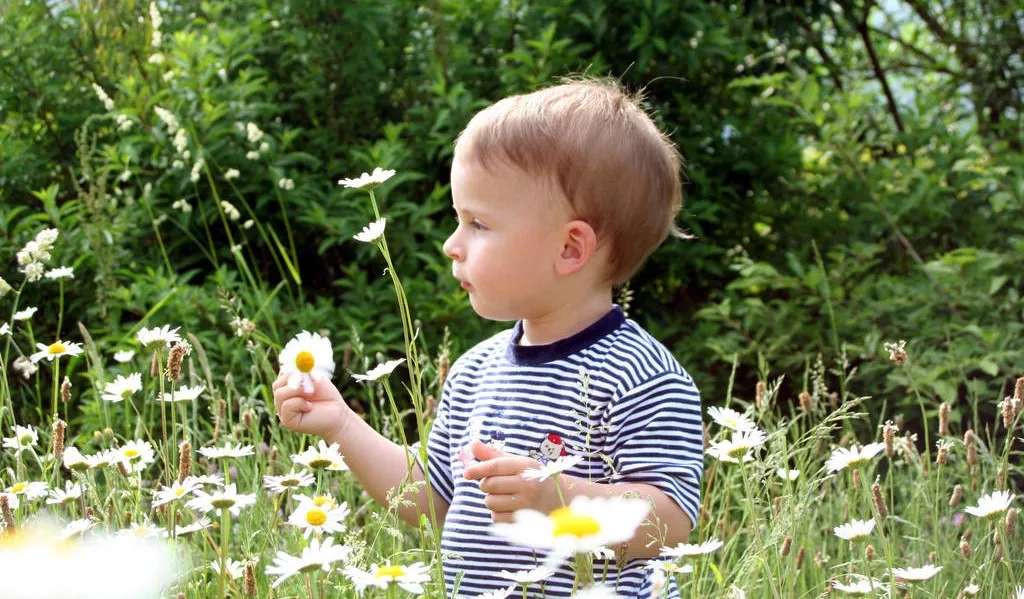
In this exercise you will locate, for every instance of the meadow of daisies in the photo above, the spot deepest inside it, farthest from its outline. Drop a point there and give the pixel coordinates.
(190, 491)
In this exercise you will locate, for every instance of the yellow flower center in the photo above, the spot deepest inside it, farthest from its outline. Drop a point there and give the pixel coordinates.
(390, 571)
(316, 517)
(18, 488)
(320, 463)
(25, 440)
(179, 492)
(322, 500)
(569, 523)
(289, 482)
(141, 531)
(131, 453)
(56, 349)
(304, 361)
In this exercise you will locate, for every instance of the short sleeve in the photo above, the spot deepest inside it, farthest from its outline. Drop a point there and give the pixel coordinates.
(655, 437)
(438, 450)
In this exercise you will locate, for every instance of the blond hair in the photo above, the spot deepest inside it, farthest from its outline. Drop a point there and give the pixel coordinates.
(618, 171)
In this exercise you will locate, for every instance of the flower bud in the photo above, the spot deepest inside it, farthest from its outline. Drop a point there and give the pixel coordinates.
(805, 401)
(879, 499)
(184, 460)
(58, 439)
(273, 461)
(869, 552)
(65, 390)
(777, 505)
(5, 512)
(965, 548)
(1018, 389)
(958, 494)
(1011, 521)
(787, 543)
(154, 365)
(944, 419)
(759, 391)
(931, 557)
(800, 553)
(1001, 478)
(942, 457)
(972, 451)
(174, 358)
(250, 579)
(856, 479)
(889, 437)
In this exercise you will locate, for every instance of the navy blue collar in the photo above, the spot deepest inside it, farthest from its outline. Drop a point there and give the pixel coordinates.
(529, 355)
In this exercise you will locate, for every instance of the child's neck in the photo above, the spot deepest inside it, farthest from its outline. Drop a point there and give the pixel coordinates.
(565, 320)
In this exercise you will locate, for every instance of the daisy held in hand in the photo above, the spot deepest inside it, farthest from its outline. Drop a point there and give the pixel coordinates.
(306, 357)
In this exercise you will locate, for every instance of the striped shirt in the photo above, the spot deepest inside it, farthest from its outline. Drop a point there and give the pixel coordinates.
(611, 383)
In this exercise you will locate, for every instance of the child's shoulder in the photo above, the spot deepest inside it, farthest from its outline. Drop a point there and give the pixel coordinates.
(636, 350)
(484, 351)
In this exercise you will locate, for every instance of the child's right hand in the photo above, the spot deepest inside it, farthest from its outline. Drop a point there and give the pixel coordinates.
(321, 412)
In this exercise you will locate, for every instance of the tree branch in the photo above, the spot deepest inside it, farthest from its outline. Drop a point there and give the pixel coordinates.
(862, 28)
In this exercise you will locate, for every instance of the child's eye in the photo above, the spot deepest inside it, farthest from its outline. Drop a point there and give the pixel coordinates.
(479, 226)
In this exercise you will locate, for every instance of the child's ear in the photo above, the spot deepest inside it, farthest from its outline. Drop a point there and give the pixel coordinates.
(578, 247)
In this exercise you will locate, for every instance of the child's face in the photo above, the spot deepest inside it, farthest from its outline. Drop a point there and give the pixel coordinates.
(509, 236)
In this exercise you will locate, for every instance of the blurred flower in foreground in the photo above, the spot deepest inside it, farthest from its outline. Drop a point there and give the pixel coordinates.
(992, 504)
(35, 563)
(854, 456)
(915, 574)
(409, 578)
(584, 525)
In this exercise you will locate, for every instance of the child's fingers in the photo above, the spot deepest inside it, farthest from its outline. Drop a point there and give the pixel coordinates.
(292, 410)
(498, 467)
(502, 485)
(280, 381)
(503, 503)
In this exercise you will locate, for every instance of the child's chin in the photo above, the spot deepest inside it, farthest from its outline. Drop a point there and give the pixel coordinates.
(488, 312)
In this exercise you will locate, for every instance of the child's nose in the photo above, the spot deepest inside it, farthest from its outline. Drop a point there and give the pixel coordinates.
(451, 248)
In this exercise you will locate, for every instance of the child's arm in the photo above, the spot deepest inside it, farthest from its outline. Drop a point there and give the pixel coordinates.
(379, 464)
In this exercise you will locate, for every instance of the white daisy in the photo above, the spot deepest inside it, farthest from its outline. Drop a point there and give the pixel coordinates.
(972, 589)
(859, 585)
(737, 447)
(497, 593)
(321, 457)
(144, 530)
(135, 455)
(992, 504)
(71, 492)
(74, 460)
(378, 371)
(75, 527)
(584, 525)
(165, 335)
(916, 574)
(25, 314)
(228, 497)
(368, 181)
(231, 173)
(312, 518)
(228, 451)
(31, 489)
(287, 482)
(25, 366)
(325, 501)
(669, 567)
(307, 354)
(183, 393)
(785, 474)
(124, 356)
(854, 456)
(24, 438)
(200, 524)
(318, 554)
(122, 387)
(235, 569)
(205, 479)
(56, 350)
(691, 549)
(855, 529)
(408, 578)
(64, 272)
(552, 468)
(371, 232)
(5, 329)
(527, 576)
(730, 418)
(1019, 593)
(176, 491)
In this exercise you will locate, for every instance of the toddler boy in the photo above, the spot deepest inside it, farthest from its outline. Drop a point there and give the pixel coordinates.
(560, 195)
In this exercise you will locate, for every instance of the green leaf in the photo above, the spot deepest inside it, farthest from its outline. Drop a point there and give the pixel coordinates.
(989, 367)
